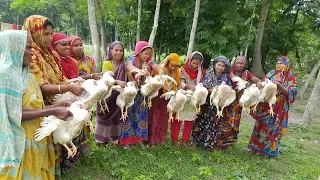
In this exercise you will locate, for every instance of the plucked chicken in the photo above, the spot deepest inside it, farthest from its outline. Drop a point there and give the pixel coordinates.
(241, 84)
(126, 98)
(250, 97)
(268, 94)
(199, 97)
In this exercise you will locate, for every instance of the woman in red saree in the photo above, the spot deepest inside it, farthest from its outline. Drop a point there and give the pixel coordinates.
(268, 130)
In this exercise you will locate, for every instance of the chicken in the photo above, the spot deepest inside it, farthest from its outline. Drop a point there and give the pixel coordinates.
(93, 91)
(241, 84)
(152, 86)
(64, 131)
(222, 96)
(107, 79)
(250, 97)
(126, 98)
(176, 102)
(199, 97)
(268, 94)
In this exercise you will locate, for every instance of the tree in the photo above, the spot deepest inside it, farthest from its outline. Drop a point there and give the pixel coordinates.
(155, 23)
(194, 27)
(257, 65)
(310, 77)
(139, 21)
(94, 31)
(312, 103)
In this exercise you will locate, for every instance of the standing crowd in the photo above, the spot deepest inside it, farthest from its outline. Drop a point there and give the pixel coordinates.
(36, 64)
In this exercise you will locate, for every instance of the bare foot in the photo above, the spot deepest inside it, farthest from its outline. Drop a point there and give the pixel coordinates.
(152, 146)
(142, 145)
(185, 145)
(175, 144)
(126, 147)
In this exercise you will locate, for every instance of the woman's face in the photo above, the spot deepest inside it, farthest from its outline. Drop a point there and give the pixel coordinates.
(27, 56)
(195, 63)
(172, 67)
(280, 66)
(47, 36)
(63, 48)
(219, 67)
(77, 48)
(144, 55)
(240, 65)
(117, 52)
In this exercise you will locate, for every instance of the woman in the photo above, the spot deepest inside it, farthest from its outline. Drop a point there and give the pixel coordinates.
(108, 124)
(47, 72)
(209, 130)
(41, 153)
(268, 130)
(135, 128)
(85, 64)
(192, 73)
(239, 69)
(158, 114)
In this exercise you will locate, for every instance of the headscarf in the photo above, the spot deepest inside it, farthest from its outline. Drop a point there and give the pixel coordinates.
(73, 39)
(140, 46)
(192, 74)
(69, 67)
(45, 62)
(13, 82)
(244, 73)
(120, 73)
(173, 58)
(211, 79)
(286, 71)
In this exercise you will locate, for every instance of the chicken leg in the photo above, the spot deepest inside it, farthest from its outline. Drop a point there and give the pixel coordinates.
(221, 112)
(68, 149)
(170, 116)
(74, 148)
(271, 109)
(90, 126)
(144, 103)
(149, 103)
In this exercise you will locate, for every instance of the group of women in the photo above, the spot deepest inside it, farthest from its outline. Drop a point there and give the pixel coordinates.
(36, 64)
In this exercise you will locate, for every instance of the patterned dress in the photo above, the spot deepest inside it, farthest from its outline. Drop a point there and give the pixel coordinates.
(268, 130)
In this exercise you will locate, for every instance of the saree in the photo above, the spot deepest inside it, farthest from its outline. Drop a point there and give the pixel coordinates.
(268, 130)
(38, 158)
(13, 82)
(108, 127)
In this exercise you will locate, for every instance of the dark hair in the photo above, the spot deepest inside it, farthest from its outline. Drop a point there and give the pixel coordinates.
(47, 23)
(197, 56)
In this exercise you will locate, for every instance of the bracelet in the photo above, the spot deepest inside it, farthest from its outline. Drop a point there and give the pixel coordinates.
(59, 88)
(91, 75)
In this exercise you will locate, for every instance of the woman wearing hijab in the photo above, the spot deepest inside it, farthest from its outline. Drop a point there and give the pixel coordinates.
(192, 73)
(135, 127)
(108, 128)
(158, 113)
(209, 130)
(20, 91)
(268, 129)
(48, 74)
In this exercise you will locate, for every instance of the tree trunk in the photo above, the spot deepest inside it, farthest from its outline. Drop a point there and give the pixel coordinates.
(139, 21)
(104, 41)
(310, 77)
(155, 24)
(312, 103)
(250, 29)
(257, 66)
(194, 27)
(96, 53)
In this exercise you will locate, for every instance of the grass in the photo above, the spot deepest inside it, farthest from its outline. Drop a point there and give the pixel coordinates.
(299, 159)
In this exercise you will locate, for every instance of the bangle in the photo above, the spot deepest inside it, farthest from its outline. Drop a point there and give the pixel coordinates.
(91, 75)
(59, 88)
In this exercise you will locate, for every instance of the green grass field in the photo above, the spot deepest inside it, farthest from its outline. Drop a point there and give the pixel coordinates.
(299, 159)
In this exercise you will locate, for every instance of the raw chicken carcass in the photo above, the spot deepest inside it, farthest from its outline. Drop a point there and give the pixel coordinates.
(241, 84)
(250, 97)
(152, 86)
(222, 96)
(65, 131)
(199, 97)
(268, 94)
(176, 102)
(126, 98)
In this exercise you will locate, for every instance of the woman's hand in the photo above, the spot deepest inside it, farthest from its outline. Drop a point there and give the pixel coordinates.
(62, 113)
(121, 83)
(76, 89)
(192, 88)
(96, 76)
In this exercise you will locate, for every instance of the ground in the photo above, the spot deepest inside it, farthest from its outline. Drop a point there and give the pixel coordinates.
(299, 158)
